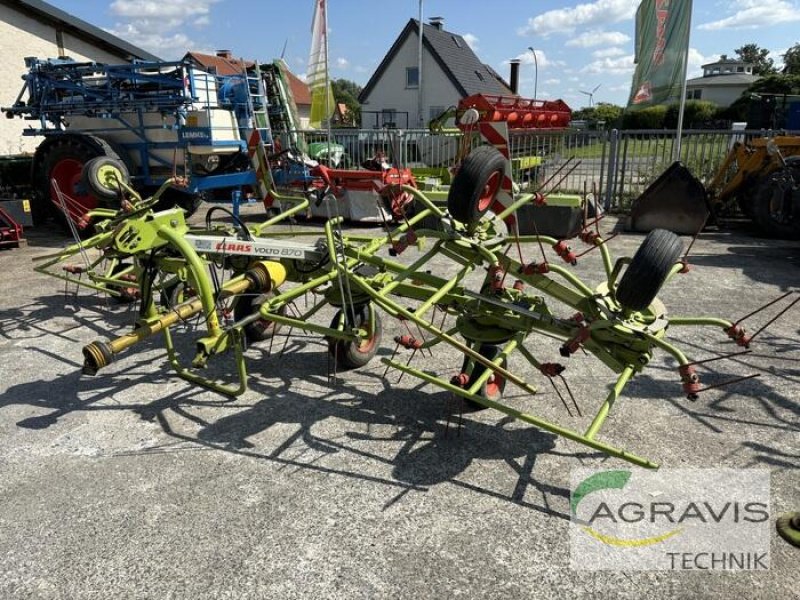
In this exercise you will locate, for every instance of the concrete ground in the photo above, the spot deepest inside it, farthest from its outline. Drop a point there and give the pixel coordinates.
(136, 484)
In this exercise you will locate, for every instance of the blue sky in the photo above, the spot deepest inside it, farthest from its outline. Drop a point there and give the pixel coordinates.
(579, 44)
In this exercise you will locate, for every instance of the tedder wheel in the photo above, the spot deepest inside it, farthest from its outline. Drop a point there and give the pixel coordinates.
(357, 353)
(176, 293)
(476, 184)
(127, 294)
(493, 388)
(774, 199)
(100, 177)
(649, 268)
(188, 201)
(259, 330)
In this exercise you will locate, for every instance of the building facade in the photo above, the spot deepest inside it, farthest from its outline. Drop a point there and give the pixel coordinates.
(35, 28)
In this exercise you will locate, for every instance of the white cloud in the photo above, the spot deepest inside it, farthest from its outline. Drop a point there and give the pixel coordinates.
(541, 59)
(472, 41)
(589, 39)
(169, 46)
(622, 65)
(696, 62)
(553, 81)
(592, 14)
(752, 14)
(608, 53)
(152, 9)
(155, 25)
(343, 63)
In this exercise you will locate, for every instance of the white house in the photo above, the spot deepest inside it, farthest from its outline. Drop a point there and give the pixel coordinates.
(450, 71)
(35, 28)
(722, 81)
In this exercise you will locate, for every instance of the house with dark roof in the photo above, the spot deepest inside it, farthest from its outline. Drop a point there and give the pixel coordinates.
(36, 28)
(722, 82)
(223, 63)
(450, 71)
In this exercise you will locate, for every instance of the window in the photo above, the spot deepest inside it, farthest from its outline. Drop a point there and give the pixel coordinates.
(740, 69)
(412, 77)
(693, 94)
(388, 117)
(477, 73)
(456, 41)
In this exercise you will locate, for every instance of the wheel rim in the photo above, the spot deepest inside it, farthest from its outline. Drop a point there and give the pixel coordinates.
(67, 173)
(366, 345)
(489, 191)
(262, 325)
(494, 386)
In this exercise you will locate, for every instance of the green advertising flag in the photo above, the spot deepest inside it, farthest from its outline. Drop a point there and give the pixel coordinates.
(662, 43)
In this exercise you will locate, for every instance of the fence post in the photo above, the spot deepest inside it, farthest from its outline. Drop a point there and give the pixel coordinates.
(611, 180)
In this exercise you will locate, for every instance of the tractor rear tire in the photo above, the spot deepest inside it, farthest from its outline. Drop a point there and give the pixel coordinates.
(774, 200)
(63, 160)
(476, 184)
(648, 269)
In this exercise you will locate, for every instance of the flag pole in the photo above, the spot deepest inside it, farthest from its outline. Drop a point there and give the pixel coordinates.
(328, 91)
(420, 118)
(676, 149)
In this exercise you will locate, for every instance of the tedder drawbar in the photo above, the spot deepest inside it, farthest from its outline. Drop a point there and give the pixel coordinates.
(488, 304)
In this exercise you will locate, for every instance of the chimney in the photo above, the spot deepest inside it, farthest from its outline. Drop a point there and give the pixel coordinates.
(226, 54)
(436, 22)
(514, 78)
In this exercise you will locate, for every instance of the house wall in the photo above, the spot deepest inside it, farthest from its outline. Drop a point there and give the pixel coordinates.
(25, 36)
(721, 95)
(390, 91)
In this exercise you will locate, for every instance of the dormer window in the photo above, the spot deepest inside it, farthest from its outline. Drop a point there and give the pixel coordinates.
(456, 41)
(479, 76)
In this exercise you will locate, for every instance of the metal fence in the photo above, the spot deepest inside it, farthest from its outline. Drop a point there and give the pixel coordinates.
(616, 166)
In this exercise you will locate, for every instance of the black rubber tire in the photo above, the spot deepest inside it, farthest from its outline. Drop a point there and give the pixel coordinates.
(476, 184)
(648, 269)
(188, 201)
(429, 222)
(124, 297)
(97, 186)
(494, 387)
(176, 293)
(352, 355)
(262, 329)
(774, 199)
(68, 147)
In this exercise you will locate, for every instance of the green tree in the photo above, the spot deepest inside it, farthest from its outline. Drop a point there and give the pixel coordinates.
(791, 61)
(346, 92)
(607, 113)
(752, 53)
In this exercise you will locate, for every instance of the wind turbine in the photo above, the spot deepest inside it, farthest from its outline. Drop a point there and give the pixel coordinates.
(591, 94)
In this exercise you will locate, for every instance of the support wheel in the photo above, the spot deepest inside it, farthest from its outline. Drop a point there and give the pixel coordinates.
(101, 176)
(188, 201)
(357, 353)
(262, 329)
(476, 184)
(649, 268)
(492, 389)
